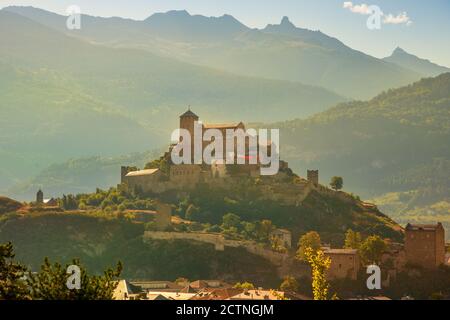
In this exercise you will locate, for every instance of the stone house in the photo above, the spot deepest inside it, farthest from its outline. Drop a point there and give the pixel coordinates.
(425, 245)
(345, 263)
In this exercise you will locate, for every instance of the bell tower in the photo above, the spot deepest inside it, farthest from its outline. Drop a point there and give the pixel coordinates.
(187, 122)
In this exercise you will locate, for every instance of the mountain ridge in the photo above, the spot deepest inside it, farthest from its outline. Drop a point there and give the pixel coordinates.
(407, 60)
(301, 55)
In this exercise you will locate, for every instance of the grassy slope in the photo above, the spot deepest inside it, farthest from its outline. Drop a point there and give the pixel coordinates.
(100, 243)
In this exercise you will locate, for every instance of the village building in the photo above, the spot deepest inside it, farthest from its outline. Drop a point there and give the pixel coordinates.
(345, 263)
(283, 236)
(126, 291)
(425, 245)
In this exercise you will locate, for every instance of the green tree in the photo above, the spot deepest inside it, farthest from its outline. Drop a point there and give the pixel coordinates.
(12, 283)
(372, 249)
(244, 286)
(352, 239)
(290, 284)
(319, 266)
(192, 213)
(69, 202)
(337, 183)
(50, 283)
(161, 164)
(230, 220)
(309, 240)
(263, 230)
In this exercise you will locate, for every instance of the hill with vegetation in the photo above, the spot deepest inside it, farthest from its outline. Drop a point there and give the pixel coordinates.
(101, 240)
(9, 205)
(394, 143)
(102, 227)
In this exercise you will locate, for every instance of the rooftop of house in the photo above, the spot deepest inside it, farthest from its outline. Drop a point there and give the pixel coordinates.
(341, 251)
(379, 298)
(157, 285)
(156, 297)
(200, 284)
(222, 125)
(172, 295)
(258, 295)
(217, 294)
(423, 227)
(281, 231)
(146, 172)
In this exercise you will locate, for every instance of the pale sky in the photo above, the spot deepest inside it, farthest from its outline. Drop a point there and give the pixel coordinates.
(419, 27)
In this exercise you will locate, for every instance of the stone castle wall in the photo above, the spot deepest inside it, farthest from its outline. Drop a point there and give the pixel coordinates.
(219, 242)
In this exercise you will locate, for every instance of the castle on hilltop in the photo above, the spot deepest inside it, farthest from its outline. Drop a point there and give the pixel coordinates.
(169, 176)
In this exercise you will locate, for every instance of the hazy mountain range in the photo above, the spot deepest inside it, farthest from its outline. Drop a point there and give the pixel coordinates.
(285, 51)
(66, 97)
(414, 63)
(118, 85)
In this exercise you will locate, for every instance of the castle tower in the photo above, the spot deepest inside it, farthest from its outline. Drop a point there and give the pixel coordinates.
(313, 176)
(164, 217)
(425, 245)
(123, 173)
(40, 197)
(187, 122)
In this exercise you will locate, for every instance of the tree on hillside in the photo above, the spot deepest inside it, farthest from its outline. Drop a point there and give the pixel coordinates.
(372, 249)
(263, 229)
(69, 202)
(309, 240)
(290, 284)
(319, 266)
(50, 283)
(230, 220)
(192, 212)
(337, 183)
(161, 164)
(244, 286)
(12, 283)
(352, 239)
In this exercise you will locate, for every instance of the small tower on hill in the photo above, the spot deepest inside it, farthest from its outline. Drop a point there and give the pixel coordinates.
(40, 197)
(313, 176)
